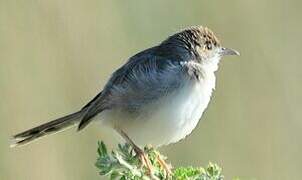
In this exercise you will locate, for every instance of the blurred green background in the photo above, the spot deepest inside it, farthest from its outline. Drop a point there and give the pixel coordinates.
(56, 55)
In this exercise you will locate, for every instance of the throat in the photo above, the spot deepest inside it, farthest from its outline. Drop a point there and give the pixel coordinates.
(204, 72)
(210, 67)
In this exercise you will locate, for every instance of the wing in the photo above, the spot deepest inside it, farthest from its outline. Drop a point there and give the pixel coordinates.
(143, 79)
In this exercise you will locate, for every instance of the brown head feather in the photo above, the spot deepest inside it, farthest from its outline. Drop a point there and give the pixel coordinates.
(194, 36)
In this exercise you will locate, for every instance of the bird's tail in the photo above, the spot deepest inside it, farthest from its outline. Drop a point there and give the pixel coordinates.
(46, 129)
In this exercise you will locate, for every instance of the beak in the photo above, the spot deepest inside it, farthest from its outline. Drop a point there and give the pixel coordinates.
(226, 51)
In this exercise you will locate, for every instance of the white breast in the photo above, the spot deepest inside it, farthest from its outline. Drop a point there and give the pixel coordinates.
(185, 110)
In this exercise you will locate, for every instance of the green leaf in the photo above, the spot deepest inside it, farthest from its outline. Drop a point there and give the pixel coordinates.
(123, 164)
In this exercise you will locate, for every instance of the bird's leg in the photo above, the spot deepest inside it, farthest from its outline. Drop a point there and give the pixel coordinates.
(167, 167)
(139, 152)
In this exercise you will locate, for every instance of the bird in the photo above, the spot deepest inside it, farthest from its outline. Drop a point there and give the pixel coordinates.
(157, 97)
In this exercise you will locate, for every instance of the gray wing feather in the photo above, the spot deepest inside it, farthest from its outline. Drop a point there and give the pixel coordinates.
(143, 79)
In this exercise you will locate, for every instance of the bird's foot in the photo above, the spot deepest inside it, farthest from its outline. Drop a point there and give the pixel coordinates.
(165, 166)
(145, 162)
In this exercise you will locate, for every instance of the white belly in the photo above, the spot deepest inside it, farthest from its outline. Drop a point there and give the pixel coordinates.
(168, 120)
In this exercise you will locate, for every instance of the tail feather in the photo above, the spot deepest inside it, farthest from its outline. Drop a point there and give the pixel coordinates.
(46, 129)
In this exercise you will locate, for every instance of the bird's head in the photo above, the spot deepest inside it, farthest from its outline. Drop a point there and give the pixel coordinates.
(202, 44)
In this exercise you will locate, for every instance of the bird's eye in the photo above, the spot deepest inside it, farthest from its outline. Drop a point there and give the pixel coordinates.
(209, 46)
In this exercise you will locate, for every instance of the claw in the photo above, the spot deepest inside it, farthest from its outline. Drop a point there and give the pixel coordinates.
(166, 167)
(141, 154)
(143, 158)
